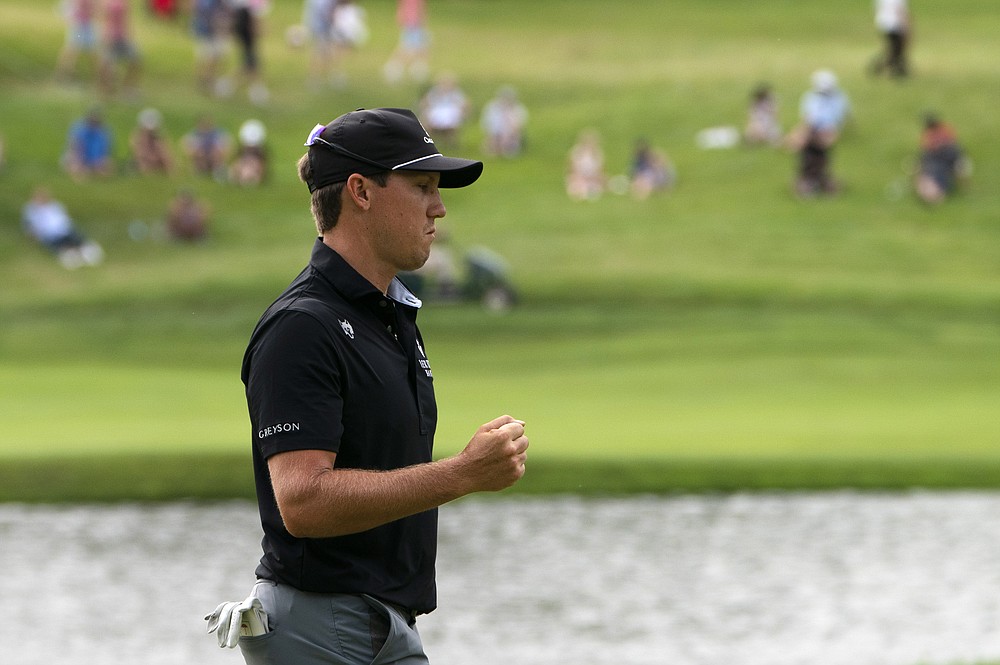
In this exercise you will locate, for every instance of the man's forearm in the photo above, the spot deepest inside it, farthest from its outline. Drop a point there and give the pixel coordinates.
(337, 502)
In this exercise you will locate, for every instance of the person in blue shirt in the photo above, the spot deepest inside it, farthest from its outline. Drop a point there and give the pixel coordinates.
(88, 149)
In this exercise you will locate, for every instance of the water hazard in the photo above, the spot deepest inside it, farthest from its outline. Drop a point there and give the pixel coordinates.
(747, 579)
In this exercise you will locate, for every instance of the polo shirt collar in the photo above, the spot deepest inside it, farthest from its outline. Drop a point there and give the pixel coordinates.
(349, 281)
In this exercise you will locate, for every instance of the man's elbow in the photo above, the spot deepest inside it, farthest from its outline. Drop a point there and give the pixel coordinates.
(295, 521)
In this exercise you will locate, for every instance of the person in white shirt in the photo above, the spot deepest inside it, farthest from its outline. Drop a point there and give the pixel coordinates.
(892, 18)
(46, 221)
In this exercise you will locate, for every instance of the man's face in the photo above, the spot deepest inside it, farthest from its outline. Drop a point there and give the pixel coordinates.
(402, 226)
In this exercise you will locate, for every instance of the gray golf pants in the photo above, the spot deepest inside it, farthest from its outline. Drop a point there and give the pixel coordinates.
(330, 629)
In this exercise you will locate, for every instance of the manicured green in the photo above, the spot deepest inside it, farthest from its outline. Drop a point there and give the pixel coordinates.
(723, 336)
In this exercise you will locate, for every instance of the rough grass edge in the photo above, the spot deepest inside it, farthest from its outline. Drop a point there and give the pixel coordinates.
(163, 477)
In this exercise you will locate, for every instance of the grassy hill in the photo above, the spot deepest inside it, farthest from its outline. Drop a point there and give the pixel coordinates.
(723, 335)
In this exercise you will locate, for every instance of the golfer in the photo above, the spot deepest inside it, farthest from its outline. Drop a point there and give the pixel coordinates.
(341, 398)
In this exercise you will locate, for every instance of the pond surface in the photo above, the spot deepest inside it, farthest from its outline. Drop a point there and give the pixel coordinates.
(747, 579)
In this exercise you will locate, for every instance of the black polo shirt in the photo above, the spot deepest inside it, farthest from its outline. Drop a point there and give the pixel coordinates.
(335, 365)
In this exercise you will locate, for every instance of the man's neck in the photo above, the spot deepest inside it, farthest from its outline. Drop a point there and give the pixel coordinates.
(360, 258)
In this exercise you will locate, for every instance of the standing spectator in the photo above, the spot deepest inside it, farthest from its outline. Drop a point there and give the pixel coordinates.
(412, 55)
(210, 26)
(249, 167)
(248, 25)
(503, 120)
(824, 110)
(88, 149)
(586, 179)
(208, 147)
(892, 18)
(187, 217)
(942, 161)
(813, 177)
(350, 31)
(317, 18)
(762, 118)
(81, 36)
(151, 152)
(46, 221)
(119, 48)
(164, 8)
(444, 109)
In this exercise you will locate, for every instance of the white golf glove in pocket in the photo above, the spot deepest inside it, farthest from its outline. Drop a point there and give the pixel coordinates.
(233, 620)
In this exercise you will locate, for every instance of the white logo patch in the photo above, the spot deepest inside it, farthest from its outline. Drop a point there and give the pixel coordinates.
(348, 328)
(423, 362)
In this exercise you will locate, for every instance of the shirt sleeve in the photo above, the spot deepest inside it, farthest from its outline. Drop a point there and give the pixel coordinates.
(294, 387)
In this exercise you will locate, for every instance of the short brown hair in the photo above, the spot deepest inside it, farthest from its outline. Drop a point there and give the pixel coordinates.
(325, 203)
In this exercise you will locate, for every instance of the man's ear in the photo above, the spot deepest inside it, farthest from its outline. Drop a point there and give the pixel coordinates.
(358, 190)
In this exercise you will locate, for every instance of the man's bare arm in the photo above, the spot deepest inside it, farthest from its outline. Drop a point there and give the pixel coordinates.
(318, 500)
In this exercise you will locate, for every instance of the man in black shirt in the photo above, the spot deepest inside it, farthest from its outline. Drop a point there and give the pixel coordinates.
(341, 399)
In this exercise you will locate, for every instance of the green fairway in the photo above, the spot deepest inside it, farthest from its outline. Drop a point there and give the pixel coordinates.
(725, 334)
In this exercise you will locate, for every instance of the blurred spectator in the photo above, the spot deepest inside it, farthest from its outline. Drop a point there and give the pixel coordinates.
(411, 57)
(350, 31)
(164, 8)
(210, 26)
(119, 49)
(942, 161)
(824, 109)
(813, 177)
(46, 221)
(249, 167)
(208, 146)
(88, 149)
(248, 25)
(762, 126)
(317, 19)
(651, 171)
(892, 18)
(438, 279)
(81, 36)
(187, 217)
(503, 120)
(150, 149)
(444, 109)
(586, 179)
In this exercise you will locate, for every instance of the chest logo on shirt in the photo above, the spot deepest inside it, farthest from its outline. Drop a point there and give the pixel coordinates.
(424, 363)
(347, 327)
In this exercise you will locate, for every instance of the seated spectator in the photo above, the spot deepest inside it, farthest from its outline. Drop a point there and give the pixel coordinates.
(942, 161)
(586, 179)
(813, 176)
(88, 150)
(444, 109)
(651, 171)
(187, 218)
(249, 167)
(208, 146)
(150, 149)
(762, 118)
(503, 121)
(46, 221)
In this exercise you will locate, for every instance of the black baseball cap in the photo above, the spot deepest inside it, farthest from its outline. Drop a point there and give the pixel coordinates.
(369, 141)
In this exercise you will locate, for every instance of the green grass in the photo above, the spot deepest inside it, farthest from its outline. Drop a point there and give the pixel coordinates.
(725, 335)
